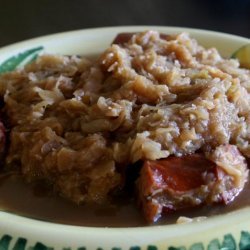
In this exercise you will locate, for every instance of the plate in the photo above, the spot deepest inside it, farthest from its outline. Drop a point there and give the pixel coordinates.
(228, 231)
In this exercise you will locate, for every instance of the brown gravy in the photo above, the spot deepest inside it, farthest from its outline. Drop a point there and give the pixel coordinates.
(38, 202)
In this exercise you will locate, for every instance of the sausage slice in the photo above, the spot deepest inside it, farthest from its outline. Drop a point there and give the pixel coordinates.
(182, 182)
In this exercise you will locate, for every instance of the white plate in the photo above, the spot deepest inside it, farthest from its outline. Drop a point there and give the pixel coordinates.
(21, 233)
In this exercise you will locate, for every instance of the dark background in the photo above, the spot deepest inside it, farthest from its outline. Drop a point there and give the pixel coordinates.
(23, 19)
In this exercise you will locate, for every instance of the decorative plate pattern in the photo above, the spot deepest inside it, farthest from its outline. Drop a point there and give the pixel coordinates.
(228, 243)
(22, 58)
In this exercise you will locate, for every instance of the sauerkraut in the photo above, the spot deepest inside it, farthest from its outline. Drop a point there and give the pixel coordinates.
(78, 123)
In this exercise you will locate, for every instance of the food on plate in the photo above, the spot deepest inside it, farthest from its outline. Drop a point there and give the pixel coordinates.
(243, 55)
(2, 140)
(192, 180)
(157, 114)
